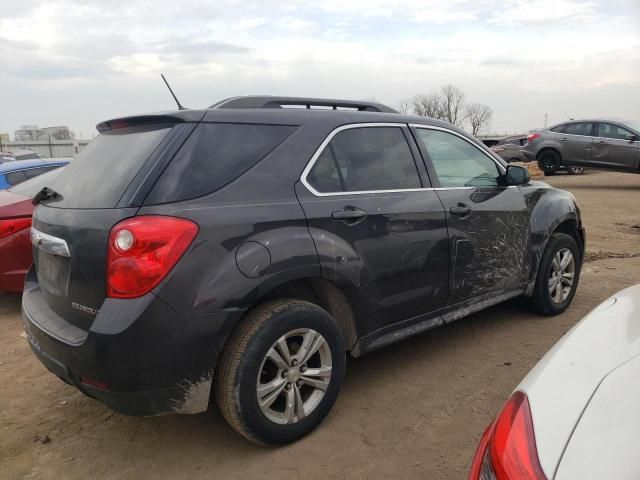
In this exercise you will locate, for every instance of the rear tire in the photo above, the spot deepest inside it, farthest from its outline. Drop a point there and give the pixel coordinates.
(556, 283)
(264, 391)
(549, 161)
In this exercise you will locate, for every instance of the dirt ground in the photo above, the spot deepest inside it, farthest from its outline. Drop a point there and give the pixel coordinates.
(414, 410)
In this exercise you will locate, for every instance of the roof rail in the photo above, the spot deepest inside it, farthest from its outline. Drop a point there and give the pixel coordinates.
(283, 102)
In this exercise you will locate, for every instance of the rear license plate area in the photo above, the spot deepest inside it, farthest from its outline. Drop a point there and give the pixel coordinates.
(53, 273)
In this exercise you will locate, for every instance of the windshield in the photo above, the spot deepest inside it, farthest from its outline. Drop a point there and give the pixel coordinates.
(32, 186)
(634, 125)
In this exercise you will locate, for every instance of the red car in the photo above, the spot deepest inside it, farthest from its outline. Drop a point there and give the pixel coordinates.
(15, 219)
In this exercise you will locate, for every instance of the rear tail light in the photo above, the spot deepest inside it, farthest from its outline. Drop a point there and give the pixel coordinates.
(12, 225)
(507, 450)
(532, 137)
(143, 250)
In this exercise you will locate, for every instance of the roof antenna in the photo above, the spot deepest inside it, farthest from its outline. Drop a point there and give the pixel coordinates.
(180, 107)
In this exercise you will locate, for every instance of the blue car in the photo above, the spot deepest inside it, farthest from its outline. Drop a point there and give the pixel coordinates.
(13, 173)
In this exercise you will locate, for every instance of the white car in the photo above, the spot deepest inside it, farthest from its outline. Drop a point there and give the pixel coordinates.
(576, 415)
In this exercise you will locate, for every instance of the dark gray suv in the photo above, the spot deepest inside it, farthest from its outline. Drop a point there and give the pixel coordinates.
(238, 252)
(608, 144)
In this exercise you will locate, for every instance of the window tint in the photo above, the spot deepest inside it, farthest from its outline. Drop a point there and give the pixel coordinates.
(34, 172)
(214, 155)
(33, 186)
(581, 128)
(365, 159)
(457, 162)
(610, 130)
(102, 171)
(558, 129)
(14, 178)
(325, 176)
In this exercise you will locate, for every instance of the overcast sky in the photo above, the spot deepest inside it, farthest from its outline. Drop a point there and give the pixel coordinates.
(79, 62)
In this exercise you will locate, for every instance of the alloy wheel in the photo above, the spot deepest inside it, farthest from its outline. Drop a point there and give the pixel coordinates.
(562, 275)
(294, 376)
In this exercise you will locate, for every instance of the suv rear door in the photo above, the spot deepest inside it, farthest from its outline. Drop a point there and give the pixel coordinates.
(488, 224)
(376, 225)
(612, 148)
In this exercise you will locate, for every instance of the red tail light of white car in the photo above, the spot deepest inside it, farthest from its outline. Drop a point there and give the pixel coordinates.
(575, 416)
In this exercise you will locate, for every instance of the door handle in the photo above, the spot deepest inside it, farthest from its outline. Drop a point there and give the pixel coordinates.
(564, 139)
(349, 214)
(602, 142)
(461, 209)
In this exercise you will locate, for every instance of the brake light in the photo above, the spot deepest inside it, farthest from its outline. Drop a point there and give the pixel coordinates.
(143, 250)
(532, 137)
(507, 450)
(12, 225)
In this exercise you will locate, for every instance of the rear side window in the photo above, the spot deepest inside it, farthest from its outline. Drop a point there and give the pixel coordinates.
(101, 172)
(33, 186)
(14, 178)
(365, 159)
(214, 155)
(582, 128)
(34, 172)
(558, 129)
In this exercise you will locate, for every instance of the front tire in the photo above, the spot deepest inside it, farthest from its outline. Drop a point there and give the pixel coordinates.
(549, 161)
(281, 372)
(558, 275)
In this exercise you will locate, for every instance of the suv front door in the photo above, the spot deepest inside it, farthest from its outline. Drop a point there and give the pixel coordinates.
(612, 149)
(379, 229)
(488, 223)
(576, 143)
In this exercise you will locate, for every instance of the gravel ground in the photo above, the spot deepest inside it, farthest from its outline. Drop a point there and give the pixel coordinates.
(414, 410)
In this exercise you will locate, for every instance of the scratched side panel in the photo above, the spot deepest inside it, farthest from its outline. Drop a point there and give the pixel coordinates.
(395, 263)
(490, 245)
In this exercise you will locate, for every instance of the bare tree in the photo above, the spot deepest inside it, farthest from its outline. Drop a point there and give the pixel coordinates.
(452, 100)
(429, 105)
(404, 106)
(479, 116)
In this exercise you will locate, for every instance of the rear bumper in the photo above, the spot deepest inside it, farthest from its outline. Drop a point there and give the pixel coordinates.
(139, 357)
(529, 155)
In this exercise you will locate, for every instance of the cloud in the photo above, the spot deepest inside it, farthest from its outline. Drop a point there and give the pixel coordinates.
(502, 53)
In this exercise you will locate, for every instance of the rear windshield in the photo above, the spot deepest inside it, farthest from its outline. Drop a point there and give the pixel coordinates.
(214, 155)
(100, 174)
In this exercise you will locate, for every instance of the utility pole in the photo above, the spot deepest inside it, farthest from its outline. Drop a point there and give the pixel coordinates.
(546, 118)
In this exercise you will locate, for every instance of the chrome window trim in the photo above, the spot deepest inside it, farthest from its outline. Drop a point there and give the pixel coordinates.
(320, 149)
(501, 167)
(49, 243)
(334, 132)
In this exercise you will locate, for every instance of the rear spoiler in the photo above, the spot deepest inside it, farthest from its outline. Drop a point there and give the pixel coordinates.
(169, 118)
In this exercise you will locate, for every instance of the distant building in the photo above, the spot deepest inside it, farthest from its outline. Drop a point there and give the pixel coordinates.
(4, 139)
(33, 132)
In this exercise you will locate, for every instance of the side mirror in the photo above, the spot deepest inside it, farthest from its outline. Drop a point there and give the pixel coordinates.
(630, 137)
(517, 175)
